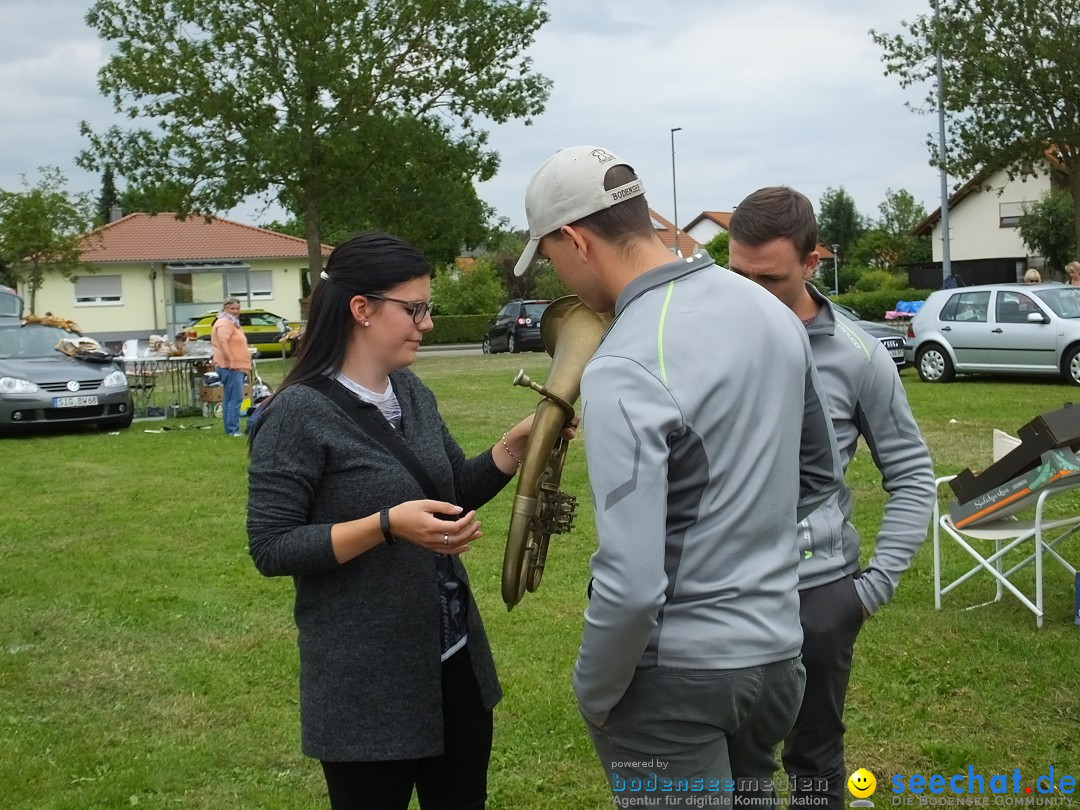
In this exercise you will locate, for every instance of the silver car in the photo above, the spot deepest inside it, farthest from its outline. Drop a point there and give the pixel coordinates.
(40, 385)
(997, 329)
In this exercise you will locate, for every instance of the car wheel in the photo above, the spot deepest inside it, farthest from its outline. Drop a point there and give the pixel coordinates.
(1071, 367)
(934, 365)
(511, 344)
(485, 347)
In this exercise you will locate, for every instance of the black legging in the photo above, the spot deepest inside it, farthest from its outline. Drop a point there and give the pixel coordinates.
(456, 780)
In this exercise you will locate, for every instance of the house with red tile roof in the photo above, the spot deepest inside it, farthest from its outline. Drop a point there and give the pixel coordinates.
(706, 225)
(666, 231)
(984, 214)
(152, 273)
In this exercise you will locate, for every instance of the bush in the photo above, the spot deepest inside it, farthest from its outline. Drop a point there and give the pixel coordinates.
(880, 279)
(458, 329)
(475, 291)
(872, 306)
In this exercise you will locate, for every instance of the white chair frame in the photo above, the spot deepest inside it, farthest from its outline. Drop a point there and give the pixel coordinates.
(1006, 534)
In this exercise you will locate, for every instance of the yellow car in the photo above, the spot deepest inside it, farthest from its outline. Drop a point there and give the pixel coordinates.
(264, 330)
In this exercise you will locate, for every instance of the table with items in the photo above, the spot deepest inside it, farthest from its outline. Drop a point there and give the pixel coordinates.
(166, 386)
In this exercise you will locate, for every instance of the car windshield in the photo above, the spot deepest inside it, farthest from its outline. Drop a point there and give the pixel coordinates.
(1064, 301)
(261, 319)
(534, 311)
(31, 340)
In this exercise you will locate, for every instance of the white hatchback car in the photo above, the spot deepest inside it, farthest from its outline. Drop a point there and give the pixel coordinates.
(997, 329)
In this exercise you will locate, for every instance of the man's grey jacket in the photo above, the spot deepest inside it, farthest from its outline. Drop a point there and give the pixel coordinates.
(707, 440)
(866, 398)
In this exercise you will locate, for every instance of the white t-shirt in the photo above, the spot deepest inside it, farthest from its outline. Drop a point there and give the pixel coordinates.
(386, 402)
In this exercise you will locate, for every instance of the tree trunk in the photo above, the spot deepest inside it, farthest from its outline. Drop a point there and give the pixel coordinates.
(314, 243)
(1072, 169)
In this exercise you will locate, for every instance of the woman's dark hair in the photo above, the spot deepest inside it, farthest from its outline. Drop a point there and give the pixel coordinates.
(371, 262)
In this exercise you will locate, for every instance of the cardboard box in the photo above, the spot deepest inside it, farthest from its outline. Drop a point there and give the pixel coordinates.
(1058, 468)
(216, 393)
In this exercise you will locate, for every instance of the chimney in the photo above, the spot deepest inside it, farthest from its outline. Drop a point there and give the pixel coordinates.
(115, 213)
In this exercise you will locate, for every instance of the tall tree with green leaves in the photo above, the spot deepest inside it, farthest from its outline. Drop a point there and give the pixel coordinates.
(889, 243)
(1046, 228)
(839, 221)
(300, 99)
(40, 229)
(1012, 83)
(108, 199)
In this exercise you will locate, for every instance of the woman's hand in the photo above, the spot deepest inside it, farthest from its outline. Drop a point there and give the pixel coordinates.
(418, 522)
(510, 450)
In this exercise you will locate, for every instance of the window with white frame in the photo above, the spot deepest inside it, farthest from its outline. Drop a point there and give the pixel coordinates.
(1009, 214)
(93, 291)
(262, 284)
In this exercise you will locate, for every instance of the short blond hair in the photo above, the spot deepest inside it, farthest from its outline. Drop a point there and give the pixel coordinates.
(1032, 276)
(1072, 269)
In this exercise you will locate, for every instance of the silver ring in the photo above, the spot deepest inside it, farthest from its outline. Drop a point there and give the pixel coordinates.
(446, 539)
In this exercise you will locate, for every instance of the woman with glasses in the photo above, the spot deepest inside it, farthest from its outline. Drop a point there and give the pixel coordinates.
(397, 682)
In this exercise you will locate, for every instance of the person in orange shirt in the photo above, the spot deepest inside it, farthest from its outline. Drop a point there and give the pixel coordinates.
(232, 360)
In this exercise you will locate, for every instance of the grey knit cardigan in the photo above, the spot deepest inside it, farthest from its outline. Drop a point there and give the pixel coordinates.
(368, 630)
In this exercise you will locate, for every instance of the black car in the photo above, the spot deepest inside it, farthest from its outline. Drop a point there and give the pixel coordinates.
(891, 339)
(516, 328)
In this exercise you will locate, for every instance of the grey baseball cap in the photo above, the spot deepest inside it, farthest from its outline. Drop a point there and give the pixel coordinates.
(568, 187)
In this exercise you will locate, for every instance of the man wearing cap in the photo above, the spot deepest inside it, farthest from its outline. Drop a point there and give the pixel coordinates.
(774, 242)
(706, 439)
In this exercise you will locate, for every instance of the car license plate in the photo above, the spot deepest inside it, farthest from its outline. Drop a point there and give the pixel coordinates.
(897, 353)
(74, 402)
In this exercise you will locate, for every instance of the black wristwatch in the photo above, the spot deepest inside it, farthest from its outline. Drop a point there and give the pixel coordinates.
(384, 524)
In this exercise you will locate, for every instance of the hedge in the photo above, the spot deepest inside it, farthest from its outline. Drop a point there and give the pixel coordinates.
(457, 329)
(873, 305)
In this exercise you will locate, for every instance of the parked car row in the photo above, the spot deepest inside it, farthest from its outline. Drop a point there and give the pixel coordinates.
(1031, 329)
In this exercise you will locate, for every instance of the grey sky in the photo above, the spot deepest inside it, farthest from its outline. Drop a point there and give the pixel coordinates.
(777, 91)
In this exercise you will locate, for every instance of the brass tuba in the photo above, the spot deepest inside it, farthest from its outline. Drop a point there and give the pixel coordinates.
(571, 332)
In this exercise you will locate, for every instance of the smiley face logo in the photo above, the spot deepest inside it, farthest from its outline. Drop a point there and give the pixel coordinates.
(862, 784)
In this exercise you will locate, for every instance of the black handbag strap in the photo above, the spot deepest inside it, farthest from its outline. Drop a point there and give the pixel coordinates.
(375, 426)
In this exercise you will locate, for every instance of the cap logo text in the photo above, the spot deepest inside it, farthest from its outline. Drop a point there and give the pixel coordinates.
(627, 191)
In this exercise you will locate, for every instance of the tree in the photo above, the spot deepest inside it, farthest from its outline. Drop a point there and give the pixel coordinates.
(839, 222)
(1046, 228)
(900, 213)
(40, 229)
(547, 284)
(429, 198)
(889, 242)
(297, 100)
(108, 199)
(1012, 88)
(717, 247)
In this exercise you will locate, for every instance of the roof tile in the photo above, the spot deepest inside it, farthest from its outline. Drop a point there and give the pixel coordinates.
(168, 238)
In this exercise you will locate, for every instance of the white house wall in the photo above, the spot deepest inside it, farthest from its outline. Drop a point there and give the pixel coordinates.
(704, 231)
(974, 224)
(146, 305)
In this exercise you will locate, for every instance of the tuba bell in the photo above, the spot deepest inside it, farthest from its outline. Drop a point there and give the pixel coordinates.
(571, 332)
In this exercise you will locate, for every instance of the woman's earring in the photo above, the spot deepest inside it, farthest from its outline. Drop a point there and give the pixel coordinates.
(365, 322)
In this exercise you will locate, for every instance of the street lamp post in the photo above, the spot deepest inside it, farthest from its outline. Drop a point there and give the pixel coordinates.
(674, 193)
(835, 270)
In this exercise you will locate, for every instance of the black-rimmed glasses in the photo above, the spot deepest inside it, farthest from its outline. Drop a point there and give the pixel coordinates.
(418, 309)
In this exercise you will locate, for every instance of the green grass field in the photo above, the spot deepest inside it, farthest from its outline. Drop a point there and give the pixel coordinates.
(144, 661)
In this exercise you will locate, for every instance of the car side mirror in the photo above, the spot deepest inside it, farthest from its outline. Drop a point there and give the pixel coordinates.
(1037, 317)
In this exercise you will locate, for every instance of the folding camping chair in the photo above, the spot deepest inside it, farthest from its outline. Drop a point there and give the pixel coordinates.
(990, 542)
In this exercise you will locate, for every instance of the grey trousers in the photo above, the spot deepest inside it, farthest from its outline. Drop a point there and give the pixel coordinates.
(680, 736)
(813, 754)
